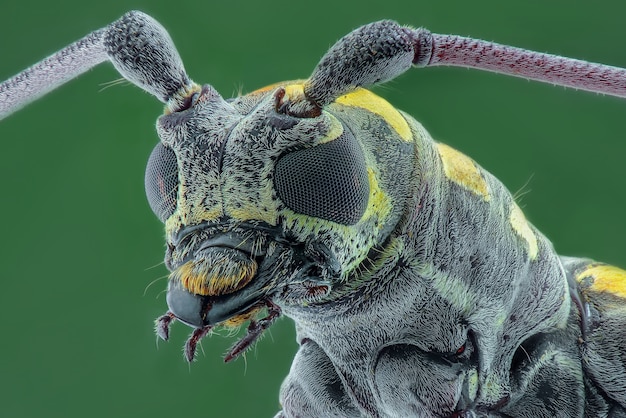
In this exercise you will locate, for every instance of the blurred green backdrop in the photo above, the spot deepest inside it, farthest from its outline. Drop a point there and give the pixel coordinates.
(81, 251)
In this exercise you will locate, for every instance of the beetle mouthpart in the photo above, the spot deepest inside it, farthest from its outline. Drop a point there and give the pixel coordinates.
(255, 330)
(197, 310)
(308, 269)
(194, 339)
(216, 271)
(162, 325)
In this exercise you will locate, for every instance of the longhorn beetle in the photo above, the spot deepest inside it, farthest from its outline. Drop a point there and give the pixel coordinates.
(417, 286)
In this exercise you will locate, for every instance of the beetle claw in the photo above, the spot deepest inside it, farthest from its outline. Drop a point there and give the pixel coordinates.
(192, 342)
(255, 329)
(162, 325)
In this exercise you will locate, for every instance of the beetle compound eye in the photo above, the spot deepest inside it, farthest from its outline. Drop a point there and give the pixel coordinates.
(327, 181)
(162, 181)
(460, 350)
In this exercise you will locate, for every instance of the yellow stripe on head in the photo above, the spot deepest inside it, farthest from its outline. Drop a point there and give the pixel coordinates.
(367, 100)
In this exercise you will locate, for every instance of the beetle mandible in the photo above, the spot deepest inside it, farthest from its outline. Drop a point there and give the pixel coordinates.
(416, 284)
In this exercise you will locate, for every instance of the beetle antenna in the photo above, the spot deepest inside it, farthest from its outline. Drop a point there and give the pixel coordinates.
(383, 50)
(137, 46)
(52, 72)
(459, 51)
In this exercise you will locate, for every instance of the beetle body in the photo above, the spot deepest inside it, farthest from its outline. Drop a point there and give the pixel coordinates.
(416, 284)
(438, 278)
(463, 294)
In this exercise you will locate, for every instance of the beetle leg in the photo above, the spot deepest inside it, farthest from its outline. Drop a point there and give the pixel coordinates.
(162, 325)
(255, 329)
(192, 342)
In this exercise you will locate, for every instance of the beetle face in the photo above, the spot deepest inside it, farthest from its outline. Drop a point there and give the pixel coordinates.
(262, 196)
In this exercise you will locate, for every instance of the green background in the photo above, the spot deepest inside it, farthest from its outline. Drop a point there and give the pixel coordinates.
(81, 253)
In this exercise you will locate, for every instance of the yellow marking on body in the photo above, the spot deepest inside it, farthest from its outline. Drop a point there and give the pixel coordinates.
(191, 208)
(276, 85)
(265, 89)
(178, 220)
(250, 211)
(453, 289)
(378, 201)
(238, 320)
(493, 388)
(335, 130)
(197, 214)
(367, 100)
(472, 384)
(462, 170)
(606, 278)
(294, 93)
(172, 225)
(522, 228)
(182, 218)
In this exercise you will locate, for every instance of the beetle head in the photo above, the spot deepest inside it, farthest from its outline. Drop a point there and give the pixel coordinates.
(264, 196)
